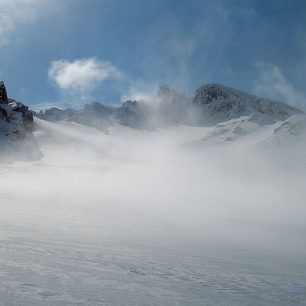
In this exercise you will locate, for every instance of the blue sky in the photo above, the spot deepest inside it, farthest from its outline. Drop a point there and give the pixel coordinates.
(68, 52)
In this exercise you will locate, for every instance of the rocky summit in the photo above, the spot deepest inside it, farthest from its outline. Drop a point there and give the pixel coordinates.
(15, 118)
(223, 103)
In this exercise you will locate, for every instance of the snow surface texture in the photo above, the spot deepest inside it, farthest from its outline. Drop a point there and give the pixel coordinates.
(179, 215)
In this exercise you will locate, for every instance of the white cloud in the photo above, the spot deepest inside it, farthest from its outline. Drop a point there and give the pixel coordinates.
(82, 75)
(271, 82)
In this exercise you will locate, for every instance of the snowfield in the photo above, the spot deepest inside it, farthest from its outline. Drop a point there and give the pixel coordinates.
(176, 216)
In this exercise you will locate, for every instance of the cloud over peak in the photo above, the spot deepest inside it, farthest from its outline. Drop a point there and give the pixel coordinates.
(82, 75)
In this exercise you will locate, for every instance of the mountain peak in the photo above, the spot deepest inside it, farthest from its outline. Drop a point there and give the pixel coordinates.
(223, 103)
(206, 94)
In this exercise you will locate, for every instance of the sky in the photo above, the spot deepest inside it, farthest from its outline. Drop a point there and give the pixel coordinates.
(70, 52)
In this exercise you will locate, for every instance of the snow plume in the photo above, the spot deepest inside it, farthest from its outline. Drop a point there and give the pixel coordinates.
(272, 83)
(140, 91)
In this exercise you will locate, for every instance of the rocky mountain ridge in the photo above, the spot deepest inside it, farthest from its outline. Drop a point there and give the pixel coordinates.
(224, 103)
(212, 104)
(15, 118)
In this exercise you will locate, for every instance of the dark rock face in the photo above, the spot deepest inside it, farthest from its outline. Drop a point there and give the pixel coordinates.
(208, 93)
(27, 115)
(3, 94)
(15, 117)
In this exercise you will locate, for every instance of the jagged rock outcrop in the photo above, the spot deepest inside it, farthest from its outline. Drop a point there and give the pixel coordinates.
(15, 118)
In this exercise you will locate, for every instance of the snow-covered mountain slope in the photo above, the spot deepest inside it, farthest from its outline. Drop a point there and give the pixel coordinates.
(285, 139)
(83, 144)
(233, 130)
(86, 144)
(289, 134)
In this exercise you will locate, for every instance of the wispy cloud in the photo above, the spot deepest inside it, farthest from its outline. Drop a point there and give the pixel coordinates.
(6, 26)
(272, 83)
(177, 54)
(83, 75)
(16, 13)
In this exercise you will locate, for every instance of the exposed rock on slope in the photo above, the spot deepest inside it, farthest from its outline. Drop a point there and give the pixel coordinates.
(15, 117)
(3, 94)
(220, 103)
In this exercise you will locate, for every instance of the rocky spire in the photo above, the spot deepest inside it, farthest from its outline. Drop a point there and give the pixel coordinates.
(3, 94)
